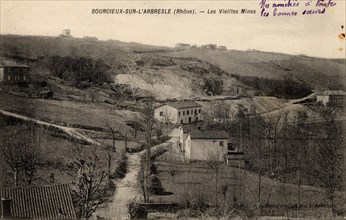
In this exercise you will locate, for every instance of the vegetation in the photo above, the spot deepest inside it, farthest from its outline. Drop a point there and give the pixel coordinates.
(281, 88)
(79, 71)
(20, 150)
(90, 186)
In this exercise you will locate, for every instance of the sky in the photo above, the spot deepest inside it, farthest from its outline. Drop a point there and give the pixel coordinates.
(313, 35)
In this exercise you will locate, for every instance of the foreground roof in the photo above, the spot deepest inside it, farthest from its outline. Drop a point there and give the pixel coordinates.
(208, 135)
(182, 104)
(51, 202)
(335, 92)
(11, 63)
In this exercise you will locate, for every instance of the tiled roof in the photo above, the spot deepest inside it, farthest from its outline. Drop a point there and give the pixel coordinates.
(338, 92)
(208, 135)
(10, 63)
(183, 104)
(51, 202)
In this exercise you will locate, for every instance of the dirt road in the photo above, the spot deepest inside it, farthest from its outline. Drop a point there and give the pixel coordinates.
(128, 187)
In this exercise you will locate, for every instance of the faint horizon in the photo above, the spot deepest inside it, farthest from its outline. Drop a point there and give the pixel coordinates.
(314, 36)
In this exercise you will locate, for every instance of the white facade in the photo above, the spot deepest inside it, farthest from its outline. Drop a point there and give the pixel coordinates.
(166, 114)
(323, 98)
(205, 149)
(178, 115)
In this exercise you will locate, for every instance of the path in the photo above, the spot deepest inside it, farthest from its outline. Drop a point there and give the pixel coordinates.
(68, 130)
(127, 188)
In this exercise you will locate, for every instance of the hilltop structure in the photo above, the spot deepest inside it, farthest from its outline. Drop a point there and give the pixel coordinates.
(182, 112)
(66, 33)
(11, 71)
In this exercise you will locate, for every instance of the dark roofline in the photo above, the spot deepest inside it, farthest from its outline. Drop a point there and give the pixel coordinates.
(208, 135)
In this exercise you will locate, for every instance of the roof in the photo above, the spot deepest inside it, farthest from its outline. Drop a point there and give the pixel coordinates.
(11, 63)
(182, 104)
(50, 202)
(208, 135)
(335, 92)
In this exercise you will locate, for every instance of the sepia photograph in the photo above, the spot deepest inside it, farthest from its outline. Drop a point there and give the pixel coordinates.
(172, 109)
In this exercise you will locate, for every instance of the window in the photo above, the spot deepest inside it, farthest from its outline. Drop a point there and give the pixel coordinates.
(195, 111)
(230, 147)
(181, 121)
(179, 113)
(221, 143)
(183, 112)
(161, 113)
(199, 110)
(187, 112)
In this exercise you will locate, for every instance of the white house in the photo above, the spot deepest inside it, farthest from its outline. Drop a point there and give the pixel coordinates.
(182, 112)
(206, 145)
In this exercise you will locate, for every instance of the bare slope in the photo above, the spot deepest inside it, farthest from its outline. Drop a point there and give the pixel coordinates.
(318, 72)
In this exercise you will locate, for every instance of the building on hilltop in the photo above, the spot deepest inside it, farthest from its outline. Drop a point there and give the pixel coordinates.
(332, 98)
(11, 71)
(182, 46)
(222, 48)
(50, 202)
(66, 33)
(181, 112)
(209, 46)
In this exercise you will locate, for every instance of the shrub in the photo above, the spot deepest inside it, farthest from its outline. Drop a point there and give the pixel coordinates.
(155, 186)
(121, 170)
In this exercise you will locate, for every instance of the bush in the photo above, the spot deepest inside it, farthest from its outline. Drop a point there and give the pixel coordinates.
(80, 71)
(155, 186)
(121, 170)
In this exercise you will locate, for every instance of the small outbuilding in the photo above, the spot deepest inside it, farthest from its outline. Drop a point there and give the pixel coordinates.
(46, 94)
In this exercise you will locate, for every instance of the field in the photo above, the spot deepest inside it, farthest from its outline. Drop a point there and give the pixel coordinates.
(67, 113)
(195, 182)
(58, 156)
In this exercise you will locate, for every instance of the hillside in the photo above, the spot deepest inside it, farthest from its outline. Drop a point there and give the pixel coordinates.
(317, 72)
(168, 73)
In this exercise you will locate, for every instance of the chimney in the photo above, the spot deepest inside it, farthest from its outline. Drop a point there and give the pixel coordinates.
(6, 208)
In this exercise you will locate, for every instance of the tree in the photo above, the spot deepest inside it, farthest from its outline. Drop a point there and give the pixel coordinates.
(20, 150)
(167, 119)
(214, 164)
(331, 157)
(111, 150)
(89, 185)
(148, 122)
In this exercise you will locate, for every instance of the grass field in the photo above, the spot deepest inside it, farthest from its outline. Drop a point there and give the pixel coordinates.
(195, 182)
(57, 157)
(67, 113)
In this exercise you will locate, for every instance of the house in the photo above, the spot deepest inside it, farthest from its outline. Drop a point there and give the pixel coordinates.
(181, 112)
(205, 145)
(209, 46)
(50, 202)
(11, 71)
(66, 33)
(332, 98)
(182, 46)
(222, 48)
